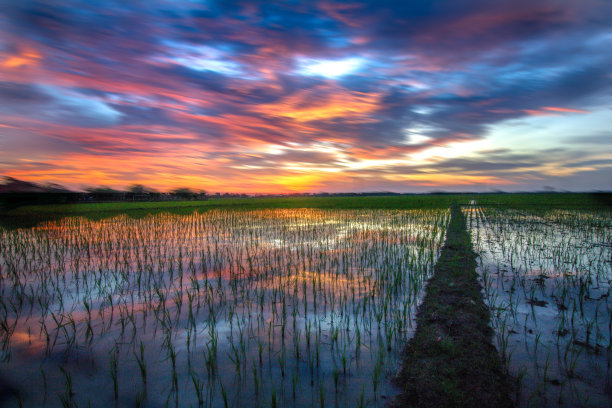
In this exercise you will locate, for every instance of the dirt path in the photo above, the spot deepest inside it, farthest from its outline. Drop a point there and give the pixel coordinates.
(451, 361)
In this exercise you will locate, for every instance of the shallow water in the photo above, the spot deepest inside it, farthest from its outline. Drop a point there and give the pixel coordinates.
(547, 279)
(225, 308)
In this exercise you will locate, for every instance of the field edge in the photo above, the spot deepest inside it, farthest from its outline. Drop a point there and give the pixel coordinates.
(451, 361)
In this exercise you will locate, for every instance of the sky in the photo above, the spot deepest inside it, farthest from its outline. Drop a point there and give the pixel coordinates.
(308, 96)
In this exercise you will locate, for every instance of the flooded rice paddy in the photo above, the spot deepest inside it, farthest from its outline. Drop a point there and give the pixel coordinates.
(262, 308)
(547, 279)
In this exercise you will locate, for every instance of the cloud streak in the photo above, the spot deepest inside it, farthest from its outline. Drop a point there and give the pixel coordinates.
(316, 96)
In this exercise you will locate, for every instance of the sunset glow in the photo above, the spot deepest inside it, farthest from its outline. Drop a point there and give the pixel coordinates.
(277, 97)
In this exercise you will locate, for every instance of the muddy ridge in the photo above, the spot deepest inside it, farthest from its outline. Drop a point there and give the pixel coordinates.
(451, 361)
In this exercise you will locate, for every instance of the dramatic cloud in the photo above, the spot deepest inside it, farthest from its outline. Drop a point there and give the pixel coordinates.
(260, 96)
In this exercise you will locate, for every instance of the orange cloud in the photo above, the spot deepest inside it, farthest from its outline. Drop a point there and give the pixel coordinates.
(537, 112)
(552, 110)
(26, 56)
(559, 109)
(307, 105)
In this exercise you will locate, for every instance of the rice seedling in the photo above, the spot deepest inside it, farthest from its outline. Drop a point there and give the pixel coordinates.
(548, 274)
(201, 304)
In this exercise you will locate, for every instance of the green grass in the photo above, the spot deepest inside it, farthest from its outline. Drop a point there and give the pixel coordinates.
(390, 202)
(519, 200)
(450, 361)
(538, 202)
(31, 215)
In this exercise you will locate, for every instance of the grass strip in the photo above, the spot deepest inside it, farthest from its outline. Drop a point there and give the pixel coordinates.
(358, 202)
(31, 215)
(450, 361)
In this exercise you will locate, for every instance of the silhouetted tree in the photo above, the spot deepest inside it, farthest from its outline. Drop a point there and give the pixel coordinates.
(183, 193)
(137, 189)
